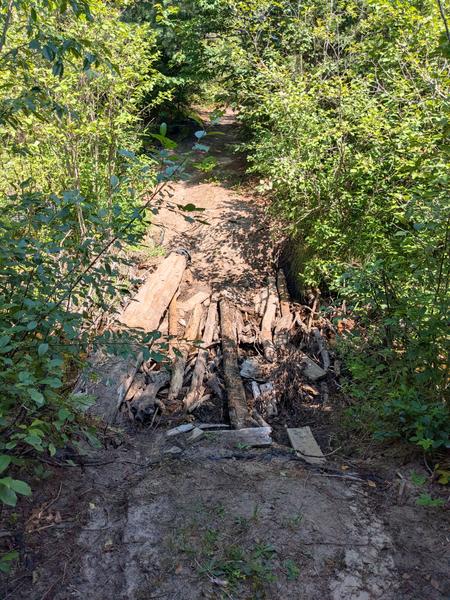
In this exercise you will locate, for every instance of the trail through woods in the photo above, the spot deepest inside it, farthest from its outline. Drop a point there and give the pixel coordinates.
(214, 512)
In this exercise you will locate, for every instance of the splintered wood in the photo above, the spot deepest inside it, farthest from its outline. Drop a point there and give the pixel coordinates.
(185, 346)
(193, 398)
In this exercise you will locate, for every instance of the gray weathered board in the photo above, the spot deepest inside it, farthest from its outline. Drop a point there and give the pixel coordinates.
(305, 445)
(255, 437)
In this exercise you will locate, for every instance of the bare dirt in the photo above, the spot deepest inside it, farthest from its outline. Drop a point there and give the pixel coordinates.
(155, 517)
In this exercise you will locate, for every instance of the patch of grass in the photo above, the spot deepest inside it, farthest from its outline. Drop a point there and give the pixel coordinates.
(295, 521)
(235, 565)
(292, 570)
(152, 251)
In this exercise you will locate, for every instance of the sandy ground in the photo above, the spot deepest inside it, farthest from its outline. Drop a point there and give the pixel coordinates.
(156, 517)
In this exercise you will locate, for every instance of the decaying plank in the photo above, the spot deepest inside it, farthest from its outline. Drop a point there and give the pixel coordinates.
(195, 394)
(145, 402)
(311, 369)
(190, 335)
(237, 402)
(268, 320)
(256, 437)
(305, 445)
(184, 428)
(147, 309)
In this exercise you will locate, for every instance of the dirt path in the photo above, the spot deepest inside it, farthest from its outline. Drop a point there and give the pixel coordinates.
(158, 517)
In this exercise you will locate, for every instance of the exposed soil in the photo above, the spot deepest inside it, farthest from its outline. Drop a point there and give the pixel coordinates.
(155, 517)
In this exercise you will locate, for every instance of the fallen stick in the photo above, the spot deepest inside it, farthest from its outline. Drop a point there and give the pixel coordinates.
(190, 335)
(237, 401)
(192, 399)
(312, 313)
(322, 349)
(268, 321)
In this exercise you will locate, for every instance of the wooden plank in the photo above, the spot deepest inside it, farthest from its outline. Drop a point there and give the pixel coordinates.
(255, 437)
(305, 445)
(237, 401)
(147, 308)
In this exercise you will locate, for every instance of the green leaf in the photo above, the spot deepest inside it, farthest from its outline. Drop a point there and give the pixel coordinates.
(4, 340)
(37, 397)
(21, 487)
(42, 349)
(5, 461)
(166, 142)
(7, 495)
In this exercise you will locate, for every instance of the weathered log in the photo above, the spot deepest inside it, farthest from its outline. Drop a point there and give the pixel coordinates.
(268, 321)
(190, 335)
(147, 309)
(237, 401)
(215, 385)
(192, 399)
(145, 402)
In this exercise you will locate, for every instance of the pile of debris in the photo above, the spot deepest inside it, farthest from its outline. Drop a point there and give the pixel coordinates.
(223, 353)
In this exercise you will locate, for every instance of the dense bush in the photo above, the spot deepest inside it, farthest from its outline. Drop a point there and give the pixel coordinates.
(351, 134)
(72, 185)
